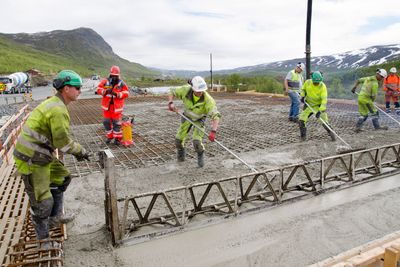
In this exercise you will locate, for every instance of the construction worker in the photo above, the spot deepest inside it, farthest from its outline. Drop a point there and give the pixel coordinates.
(366, 98)
(114, 91)
(314, 95)
(198, 104)
(293, 82)
(391, 86)
(45, 177)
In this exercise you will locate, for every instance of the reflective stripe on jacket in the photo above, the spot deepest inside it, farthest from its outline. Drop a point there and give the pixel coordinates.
(315, 95)
(391, 82)
(122, 92)
(46, 129)
(205, 106)
(295, 81)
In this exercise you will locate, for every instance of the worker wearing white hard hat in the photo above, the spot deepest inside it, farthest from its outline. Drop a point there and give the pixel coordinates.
(292, 83)
(391, 87)
(366, 98)
(198, 105)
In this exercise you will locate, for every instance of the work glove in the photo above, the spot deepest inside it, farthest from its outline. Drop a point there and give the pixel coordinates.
(353, 90)
(171, 106)
(302, 100)
(211, 136)
(114, 94)
(84, 155)
(108, 92)
(318, 114)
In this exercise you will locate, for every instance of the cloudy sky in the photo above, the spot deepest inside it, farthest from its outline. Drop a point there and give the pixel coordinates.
(181, 34)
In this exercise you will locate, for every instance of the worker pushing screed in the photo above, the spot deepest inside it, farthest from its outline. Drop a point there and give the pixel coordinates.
(366, 98)
(314, 95)
(198, 104)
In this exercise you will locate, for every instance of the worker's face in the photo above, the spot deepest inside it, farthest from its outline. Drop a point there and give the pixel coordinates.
(72, 92)
(379, 77)
(198, 94)
(299, 70)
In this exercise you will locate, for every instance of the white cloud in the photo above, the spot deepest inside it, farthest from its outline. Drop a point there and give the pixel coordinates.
(181, 34)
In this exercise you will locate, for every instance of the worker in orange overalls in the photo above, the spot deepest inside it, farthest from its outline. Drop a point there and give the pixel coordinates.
(391, 86)
(114, 91)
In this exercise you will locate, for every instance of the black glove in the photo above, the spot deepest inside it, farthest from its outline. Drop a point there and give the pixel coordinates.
(114, 93)
(302, 99)
(83, 156)
(354, 90)
(318, 114)
(108, 92)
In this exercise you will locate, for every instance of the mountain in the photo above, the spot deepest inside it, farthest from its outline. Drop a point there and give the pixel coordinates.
(82, 47)
(371, 56)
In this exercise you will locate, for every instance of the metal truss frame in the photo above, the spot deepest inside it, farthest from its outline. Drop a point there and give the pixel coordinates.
(228, 196)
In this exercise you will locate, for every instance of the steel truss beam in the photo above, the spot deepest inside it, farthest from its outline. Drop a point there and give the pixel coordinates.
(227, 196)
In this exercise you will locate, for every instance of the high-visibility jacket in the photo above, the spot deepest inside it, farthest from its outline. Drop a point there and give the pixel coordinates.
(294, 80)
(391, 82)
(316, 96)
(122, 92)
(46, 129)
(204, 107)
(369, 88)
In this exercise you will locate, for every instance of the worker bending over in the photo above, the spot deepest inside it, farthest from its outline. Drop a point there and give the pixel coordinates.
(198, 104)
(366, 98)
(314, 95)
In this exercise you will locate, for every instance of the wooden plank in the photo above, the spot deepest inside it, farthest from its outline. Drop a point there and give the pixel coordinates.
(368, 257)
(391, 257)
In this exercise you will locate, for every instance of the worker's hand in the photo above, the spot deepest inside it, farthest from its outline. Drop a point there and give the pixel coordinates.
(212, 135)
(108, 92)
(285, 93)
(171, 106)
(302, 99)
(318, 114)
(353, 90)
(114, 93)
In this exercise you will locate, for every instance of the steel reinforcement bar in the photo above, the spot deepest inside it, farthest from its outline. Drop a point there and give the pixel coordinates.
(229, 196)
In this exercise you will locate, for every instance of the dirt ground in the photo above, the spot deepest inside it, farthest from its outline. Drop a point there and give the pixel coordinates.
(282, 241)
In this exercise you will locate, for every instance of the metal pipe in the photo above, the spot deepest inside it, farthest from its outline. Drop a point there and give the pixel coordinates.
(308, 39)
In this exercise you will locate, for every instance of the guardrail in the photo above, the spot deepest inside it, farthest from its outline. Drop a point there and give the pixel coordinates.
(228, 196)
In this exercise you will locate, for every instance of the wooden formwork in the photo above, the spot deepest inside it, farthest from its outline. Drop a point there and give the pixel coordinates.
(384, 252)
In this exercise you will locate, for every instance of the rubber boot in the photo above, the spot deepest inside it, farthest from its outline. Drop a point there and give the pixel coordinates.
(200, 159)
(331, 134)
(375, 122)
(359, 124)
(40, 217)
(117, 142)
(303, 130)
(56, 216)
(108, 141)
(181, 153)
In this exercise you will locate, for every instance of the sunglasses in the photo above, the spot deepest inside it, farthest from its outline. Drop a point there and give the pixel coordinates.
(76, 87)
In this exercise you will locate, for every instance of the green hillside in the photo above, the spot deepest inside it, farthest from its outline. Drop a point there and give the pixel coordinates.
(82, 50)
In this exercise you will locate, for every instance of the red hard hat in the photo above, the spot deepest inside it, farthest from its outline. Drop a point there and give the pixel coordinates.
(114, 71)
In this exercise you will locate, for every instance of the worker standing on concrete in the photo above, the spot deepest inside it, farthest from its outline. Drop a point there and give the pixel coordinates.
(391, 86)
(293, 82)
(114, 91)
(198, 104)
(366, 98)
(314, 95)
(45, 177)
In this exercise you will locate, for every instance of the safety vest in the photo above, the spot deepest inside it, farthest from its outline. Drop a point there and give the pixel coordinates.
(296, 80)
(391, 82)
(204, 107)
(46, 129)
(315, 95)
(118, 101)
(369, 88)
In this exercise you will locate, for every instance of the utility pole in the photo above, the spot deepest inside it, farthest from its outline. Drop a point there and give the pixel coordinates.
(211, 72)
(308, 38)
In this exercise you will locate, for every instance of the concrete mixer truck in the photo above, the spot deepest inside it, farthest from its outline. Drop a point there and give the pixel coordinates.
(16, 83)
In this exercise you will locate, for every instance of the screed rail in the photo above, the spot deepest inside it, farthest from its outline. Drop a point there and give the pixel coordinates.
(239, 194)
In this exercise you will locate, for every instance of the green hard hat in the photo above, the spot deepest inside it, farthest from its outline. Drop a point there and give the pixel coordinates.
(67, 77)
(316, 77)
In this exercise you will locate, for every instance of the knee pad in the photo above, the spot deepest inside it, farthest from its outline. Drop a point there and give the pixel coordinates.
(198, 146)
(43, 208)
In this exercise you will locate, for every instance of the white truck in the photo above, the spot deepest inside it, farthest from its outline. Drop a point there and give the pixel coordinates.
(17, 83)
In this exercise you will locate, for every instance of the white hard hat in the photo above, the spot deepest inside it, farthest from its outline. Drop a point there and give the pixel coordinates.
(393, 70)
(198, 84)
(382, 72)
(301, 66)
